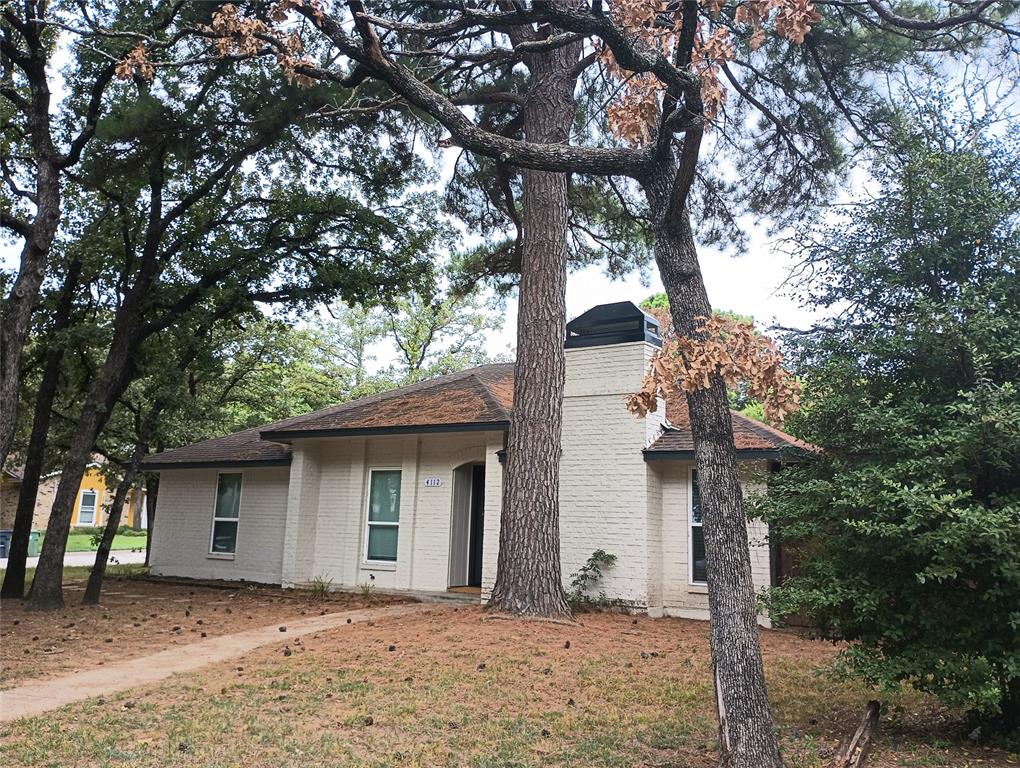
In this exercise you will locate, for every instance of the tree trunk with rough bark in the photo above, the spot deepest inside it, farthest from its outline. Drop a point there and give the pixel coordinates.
(18, 306)
(151, 494)
(47, 587)
(95, 583)
(107, 386)
(143, 428)
(747, 733)
(14, 576)
(1010, 705)
(529, 580)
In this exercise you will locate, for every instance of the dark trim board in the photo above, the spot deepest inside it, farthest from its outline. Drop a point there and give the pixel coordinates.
(748, 453)
(228, 464)
(293, 434)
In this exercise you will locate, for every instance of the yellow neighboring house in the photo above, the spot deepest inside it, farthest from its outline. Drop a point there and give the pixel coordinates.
(91, 504)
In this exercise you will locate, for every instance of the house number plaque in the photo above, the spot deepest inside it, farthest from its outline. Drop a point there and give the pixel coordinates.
(433, 482)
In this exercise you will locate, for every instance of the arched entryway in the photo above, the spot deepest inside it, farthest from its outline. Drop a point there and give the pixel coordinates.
(467, 525)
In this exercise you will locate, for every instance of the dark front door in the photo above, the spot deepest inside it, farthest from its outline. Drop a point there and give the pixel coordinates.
(477, 525)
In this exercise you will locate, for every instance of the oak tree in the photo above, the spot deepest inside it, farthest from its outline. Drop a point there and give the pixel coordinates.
(203, 223)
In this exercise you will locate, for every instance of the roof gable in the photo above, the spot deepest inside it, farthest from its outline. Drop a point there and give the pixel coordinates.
(750, 437)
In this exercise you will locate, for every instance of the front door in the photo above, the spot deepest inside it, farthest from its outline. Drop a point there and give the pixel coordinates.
(477, 525)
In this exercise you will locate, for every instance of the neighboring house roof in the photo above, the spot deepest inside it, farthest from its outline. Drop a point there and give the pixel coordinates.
(18, 473)
(751, 438)
(478, 398)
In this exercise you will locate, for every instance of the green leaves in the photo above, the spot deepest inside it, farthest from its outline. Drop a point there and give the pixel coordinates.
(905, 534)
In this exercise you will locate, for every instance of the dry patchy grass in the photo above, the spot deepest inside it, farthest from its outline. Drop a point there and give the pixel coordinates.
(140, 616)
(452, 688)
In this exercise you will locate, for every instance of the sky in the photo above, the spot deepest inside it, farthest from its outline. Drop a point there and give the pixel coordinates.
(750, 285)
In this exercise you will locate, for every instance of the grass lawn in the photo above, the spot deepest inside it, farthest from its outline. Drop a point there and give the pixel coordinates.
(456, 688)
(82, 542)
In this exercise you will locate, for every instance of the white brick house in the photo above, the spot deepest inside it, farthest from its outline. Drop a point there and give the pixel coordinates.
(402, 490)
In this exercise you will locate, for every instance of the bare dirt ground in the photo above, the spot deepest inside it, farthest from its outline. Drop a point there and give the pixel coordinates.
(138, 617)
(454, 687)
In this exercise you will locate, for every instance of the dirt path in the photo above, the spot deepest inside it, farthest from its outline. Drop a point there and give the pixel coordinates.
(35, 698)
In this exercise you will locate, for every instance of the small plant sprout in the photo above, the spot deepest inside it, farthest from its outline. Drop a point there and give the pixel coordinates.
(320, 586)
(366, 590)
(587, 576)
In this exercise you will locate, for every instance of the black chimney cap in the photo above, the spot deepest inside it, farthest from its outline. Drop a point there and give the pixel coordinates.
(612, 324)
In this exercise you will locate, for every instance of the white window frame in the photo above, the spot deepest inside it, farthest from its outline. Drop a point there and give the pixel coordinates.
(212, 527)
(383, 524)
(95, 506)
(690, 529)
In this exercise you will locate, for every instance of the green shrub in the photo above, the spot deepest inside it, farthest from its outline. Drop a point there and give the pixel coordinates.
(905, 533)
(586, 577)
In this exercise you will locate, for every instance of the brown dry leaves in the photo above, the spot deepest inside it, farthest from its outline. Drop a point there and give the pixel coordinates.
(238, 35)
(635, 111)
(729, 349)
(138, 61)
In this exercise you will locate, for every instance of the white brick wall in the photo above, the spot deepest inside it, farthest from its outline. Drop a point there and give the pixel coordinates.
(679, 596)
(610, 499)
(301, 528)
(606, 488)
(183, 526)
(493, 509)
(425, 512)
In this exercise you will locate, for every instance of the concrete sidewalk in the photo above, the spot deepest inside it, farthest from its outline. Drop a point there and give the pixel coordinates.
(88, 558)
(34, 698)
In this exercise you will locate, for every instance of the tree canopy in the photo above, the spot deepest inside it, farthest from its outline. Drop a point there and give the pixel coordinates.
(905, 531)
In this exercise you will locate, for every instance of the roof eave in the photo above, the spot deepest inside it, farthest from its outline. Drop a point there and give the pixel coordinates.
(745, 454)
(283, 435)
(156, 466)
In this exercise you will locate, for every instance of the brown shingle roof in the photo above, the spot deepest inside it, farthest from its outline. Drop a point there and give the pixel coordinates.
(478, 398)
(238, 449)
(749, 436)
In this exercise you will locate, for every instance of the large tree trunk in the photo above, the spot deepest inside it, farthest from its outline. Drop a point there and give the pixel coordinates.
(1010, 705)
(14, 577)
(17, 310)
(47, 587)
(18, 307)
(95, 583)
(747, 734)
(151, 493)
(528, 574)
(106, 388)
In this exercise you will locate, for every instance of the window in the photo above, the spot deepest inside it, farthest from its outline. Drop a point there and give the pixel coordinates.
(699, 568)
(87, 508)
(228, 505)
(383, 515)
